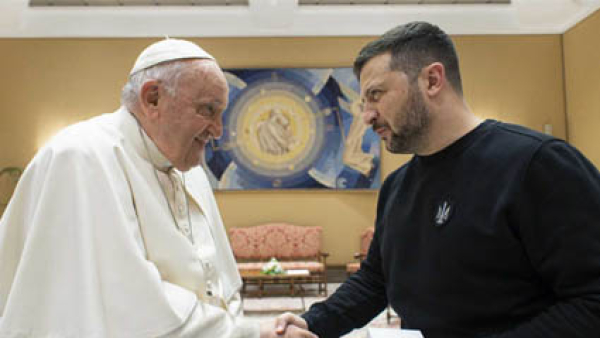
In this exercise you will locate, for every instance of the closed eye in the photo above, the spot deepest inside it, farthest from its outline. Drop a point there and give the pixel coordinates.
(207, 110)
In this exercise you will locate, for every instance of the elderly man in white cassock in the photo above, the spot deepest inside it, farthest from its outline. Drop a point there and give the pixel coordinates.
(113, 230)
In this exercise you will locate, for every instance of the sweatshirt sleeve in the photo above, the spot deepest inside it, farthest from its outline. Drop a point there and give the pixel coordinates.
(360, 298)
(558, 217)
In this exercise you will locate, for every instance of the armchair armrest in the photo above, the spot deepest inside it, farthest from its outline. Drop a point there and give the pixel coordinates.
(359, 256)
(323, 257)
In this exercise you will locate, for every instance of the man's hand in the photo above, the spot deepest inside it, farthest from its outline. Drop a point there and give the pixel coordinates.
(287, 325)
(282, 322)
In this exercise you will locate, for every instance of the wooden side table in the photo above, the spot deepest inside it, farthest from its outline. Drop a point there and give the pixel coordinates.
(294, 278)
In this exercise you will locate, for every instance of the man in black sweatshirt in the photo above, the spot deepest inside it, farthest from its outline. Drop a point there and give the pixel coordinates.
(490, 230)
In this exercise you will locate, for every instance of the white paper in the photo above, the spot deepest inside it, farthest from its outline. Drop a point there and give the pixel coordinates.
(393, 333)
(297, 272)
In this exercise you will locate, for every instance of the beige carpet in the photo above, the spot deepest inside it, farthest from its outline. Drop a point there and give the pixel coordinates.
(264, 308)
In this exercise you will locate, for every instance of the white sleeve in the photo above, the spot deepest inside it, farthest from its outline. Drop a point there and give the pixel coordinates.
(70, 226)
(209, 321)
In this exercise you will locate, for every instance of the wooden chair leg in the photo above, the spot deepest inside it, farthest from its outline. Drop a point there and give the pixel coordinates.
(388, 315)
(325, 283)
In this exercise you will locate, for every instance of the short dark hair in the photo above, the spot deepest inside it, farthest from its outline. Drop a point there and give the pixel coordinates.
(414, 46)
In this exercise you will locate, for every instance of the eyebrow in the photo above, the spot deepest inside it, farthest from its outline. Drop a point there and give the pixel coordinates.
(202, 102)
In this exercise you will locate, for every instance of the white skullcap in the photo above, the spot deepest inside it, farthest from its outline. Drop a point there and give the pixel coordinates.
(168, 50)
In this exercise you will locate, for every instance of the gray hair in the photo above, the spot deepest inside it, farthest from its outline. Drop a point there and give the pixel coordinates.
(167, 73)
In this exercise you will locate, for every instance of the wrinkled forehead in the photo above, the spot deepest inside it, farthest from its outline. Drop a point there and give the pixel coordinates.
(374, 73)
(375, 67)
(206, 84)
(204, 74)
(204, 69)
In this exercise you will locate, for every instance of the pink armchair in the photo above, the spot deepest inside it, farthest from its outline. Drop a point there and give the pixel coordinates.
(365, 241)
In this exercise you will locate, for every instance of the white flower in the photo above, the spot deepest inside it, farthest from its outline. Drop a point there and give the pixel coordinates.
(272, 267)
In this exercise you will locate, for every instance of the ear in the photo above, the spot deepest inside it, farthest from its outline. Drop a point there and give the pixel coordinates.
(433, 78)
(149, 96)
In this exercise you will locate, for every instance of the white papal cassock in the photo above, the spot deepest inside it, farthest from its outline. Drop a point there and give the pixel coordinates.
(97, 243)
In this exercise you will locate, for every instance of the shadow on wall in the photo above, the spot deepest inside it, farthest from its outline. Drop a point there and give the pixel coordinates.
(8, 181)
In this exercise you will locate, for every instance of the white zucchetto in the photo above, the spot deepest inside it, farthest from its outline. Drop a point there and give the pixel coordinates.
(168, 50)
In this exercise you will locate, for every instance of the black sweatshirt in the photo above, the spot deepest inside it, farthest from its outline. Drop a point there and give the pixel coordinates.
(497, 235)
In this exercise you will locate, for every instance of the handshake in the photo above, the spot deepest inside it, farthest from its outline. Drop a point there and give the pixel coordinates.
(288, 325)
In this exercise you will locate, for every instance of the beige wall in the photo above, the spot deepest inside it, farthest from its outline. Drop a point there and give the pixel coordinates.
(582, 78)
(50, 83)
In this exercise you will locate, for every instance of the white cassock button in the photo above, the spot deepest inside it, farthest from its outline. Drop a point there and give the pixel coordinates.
(209, 288)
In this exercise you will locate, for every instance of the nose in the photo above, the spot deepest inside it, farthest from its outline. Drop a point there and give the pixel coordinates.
(215, 129)
(369, 114)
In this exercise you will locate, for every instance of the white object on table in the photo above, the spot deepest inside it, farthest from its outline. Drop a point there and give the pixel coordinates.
(392, 333)
(297, 272)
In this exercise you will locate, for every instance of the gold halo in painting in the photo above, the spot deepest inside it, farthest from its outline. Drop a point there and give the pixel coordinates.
(276, 130)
